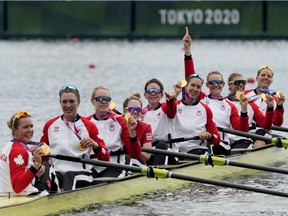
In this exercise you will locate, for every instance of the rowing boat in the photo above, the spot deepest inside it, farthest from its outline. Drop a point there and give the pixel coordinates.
(136, 185)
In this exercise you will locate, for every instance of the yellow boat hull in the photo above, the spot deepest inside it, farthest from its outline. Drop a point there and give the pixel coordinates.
(131, 187)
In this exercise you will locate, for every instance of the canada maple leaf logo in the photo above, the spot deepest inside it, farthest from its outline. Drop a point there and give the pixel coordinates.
(19, 160)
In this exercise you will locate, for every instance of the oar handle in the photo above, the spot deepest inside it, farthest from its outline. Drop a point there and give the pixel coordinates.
(278, 128)
(176, 140)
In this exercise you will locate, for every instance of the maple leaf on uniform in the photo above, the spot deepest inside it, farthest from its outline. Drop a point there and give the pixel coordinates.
(19, 160)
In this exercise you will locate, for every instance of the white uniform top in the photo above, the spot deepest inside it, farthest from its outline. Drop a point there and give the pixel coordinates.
(111, 132)
(63, 141)
(5, 178)
(257, 99)
(190, 121)
(221, 114)
(161, 125)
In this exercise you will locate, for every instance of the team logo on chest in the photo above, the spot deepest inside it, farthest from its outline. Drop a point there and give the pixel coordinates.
(111, 127)
(198, 112)
(179, 110)
(223, 107)
(56, 129)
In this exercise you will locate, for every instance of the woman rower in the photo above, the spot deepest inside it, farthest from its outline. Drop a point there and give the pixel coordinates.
(264, 80)
(72, 135)
(225, 113)
(155, 114)
(120, 137)
(215, 84)
(236, 85)
(21, 168)
(132, 108)
(193, 118)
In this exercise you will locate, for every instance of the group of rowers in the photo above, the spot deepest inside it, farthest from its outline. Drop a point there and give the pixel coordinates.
(109, 135)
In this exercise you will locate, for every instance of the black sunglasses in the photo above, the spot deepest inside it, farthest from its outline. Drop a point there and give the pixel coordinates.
(238, 82)
(153, 90)
(218, 82)
(102, 98)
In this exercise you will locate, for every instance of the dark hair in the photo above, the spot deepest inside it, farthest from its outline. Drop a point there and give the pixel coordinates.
(232, 76)
(69, 88)
(154, 80)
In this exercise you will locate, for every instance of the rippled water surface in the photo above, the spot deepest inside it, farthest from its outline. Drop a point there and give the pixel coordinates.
(32, 72)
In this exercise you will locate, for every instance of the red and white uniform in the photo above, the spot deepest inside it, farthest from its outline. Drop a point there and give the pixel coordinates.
(16, 176)
(191, 121)
(257, 99)
(160, 123)
(116, 135)
(255, 115)
(144, 134)
(225, 114)
(189, 70)
(64, 141)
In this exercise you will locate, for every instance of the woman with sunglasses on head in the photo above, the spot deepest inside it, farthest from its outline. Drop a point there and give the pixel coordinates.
(119, 136)
(225, 113)
(133, 106)
(237, 83)
(72, 135)
(264, 80)
(193, 118)
(21, 167)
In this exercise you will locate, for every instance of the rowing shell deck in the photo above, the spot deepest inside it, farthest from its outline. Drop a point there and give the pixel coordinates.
(135, 185)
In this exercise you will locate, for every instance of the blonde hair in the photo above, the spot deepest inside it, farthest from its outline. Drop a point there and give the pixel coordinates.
(134, 96)
(98, 88)
(214, 72)
(13, 122)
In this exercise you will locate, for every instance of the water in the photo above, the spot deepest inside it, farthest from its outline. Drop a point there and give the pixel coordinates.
(32, 72)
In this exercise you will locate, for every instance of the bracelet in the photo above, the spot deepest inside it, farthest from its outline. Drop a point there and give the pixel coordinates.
(40, 165)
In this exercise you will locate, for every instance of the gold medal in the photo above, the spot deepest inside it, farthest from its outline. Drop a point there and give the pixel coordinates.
(264, 96)
(239, 95)
(112, 105)
(183, 83)
(80, 147)
(127, 117)
(45, 148)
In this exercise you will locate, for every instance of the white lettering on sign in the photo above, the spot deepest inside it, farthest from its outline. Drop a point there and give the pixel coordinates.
(199, 16)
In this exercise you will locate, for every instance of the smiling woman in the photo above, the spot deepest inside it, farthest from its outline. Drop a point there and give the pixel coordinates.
(71, 134)
(19, 165)
(118, 136)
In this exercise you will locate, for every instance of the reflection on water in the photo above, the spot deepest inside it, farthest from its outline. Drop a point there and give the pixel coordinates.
(32, 72)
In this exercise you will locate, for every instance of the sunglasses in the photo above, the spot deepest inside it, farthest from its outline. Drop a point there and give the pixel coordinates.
(265, 67)
(197, 76)
(218, 82)
(153, 90)
(68, 87)
(103, 98)
(238, 82)
(21, 114)
(134, 108)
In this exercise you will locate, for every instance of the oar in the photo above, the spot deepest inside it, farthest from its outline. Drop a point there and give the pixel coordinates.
(278, 142)
(278, 128)
(175, 140)
(212, 160)
(151, 172)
